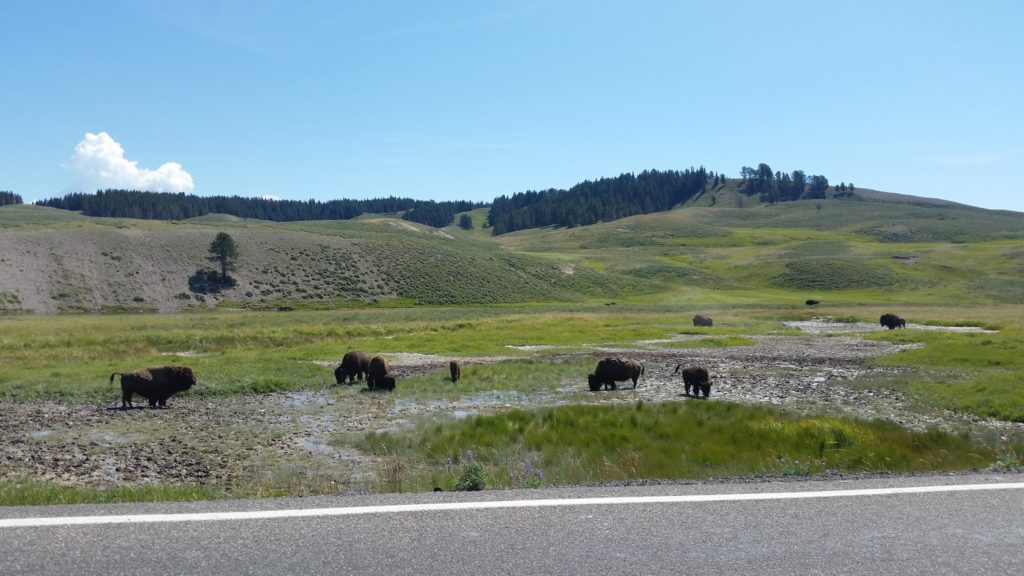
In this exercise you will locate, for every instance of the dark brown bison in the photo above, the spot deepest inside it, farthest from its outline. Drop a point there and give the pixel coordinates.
(353, 364)
(386, 382)
(812, 302)
(611, 370)
(892, 321)
(695, 378)
(702, 320)
(456, 370)
(377, 376)
(154, 384)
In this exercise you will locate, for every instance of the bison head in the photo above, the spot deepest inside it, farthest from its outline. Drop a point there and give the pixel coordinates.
(184, 377)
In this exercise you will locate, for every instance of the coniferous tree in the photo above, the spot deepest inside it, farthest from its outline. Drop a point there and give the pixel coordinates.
(224, 251)
(171, 206)
(817, 188)
(7, 198)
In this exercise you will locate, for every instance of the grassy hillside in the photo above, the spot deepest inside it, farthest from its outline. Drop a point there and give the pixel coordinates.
(55, 261)
(876, 248)
(841, 251)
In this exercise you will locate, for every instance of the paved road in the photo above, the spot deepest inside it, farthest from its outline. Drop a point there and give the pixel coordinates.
(934, 525)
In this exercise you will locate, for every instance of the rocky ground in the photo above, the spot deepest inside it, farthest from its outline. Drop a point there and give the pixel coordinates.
(284, 439)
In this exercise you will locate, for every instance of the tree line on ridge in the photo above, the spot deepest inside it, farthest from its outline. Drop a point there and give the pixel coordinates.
(588, 202)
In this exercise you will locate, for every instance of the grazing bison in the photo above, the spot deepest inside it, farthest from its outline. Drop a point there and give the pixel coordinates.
(702, 320)
(610, 370)
(353, 364)
(154, 384)
(696, 378)
(812, 302)
(456, 370)
(892, 321)
(377, 376)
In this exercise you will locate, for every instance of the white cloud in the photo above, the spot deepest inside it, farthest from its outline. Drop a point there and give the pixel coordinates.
(99, 163)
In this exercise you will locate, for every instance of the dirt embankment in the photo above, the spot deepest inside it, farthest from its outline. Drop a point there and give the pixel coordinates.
(241, 440)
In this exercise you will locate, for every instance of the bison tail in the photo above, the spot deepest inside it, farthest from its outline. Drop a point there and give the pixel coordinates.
(115, 374)
(676, 371)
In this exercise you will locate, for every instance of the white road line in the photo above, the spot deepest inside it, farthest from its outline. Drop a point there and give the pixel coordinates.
(490, 505)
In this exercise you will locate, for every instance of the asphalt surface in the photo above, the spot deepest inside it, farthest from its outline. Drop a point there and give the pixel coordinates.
(974, 525)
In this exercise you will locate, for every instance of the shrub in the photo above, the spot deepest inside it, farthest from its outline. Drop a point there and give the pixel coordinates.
(472, 478)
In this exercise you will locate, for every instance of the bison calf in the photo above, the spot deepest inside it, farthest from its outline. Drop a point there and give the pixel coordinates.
(154, 384)
(695, 378)
(456, 370)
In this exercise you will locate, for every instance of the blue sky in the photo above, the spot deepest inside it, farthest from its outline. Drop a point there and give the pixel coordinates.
(470, 100)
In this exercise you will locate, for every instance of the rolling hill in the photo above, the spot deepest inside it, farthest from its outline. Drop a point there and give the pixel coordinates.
(871, 248)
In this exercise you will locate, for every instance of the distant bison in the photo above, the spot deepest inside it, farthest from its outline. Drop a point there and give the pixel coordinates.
(353, 364)
(695, 378)
(377, 376)
(892, 321)
(702, 320)
(812, 302)
(611, 370)
(456, 370)
(154, 384)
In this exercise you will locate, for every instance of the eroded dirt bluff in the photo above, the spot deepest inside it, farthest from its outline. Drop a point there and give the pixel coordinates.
(241, 440)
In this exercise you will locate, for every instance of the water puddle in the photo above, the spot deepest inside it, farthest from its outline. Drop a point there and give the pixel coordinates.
(304, 399)
(828, 326)
(466, 406)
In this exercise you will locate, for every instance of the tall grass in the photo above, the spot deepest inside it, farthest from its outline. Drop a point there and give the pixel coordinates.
(28, 492)
(977, 373)
(690, 440)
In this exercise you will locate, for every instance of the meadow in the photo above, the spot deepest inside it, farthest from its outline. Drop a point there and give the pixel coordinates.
(528, 324)
(532, 359)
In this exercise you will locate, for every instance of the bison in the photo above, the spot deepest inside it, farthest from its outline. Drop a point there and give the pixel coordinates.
(812, 302)
(892, 321)
(353, 364)
(154, 384)
(702, 320)
(456, 370)
(610, 370)
(695, 378)
(377, 376)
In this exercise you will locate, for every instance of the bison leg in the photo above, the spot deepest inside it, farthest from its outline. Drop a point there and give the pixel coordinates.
(126, 400)
(705, 388)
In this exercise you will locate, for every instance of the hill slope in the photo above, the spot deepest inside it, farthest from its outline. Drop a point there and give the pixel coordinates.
(54, 263)
(873, 248)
